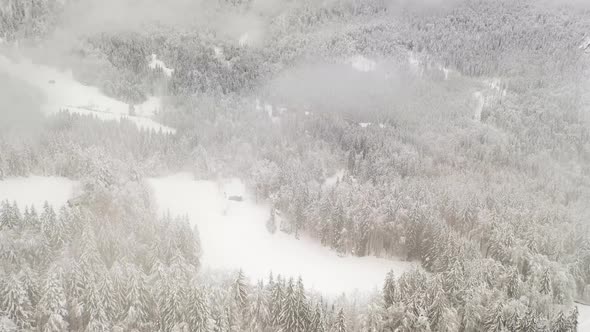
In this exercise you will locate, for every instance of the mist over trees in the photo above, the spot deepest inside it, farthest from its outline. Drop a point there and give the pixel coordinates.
(492, 204)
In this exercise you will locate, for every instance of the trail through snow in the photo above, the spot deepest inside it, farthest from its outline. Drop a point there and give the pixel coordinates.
(35, 190)
(63, 92)
(233, 235)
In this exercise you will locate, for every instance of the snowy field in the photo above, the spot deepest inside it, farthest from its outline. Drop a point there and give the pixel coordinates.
(584, 318)
(35, 190)
(233, 236)
(63, 92)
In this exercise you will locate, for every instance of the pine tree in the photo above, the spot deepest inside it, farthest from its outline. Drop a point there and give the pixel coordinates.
(111, 306)
(138, 301)
(98, 320)
(271, 223)
(259, 311)
(494, 321)
(51, 309)
(6, 216)
(389, 289)
(240, 291)
(545, 287)
(170, 301)
(528, 322)
(573, 319)
(14, 302)
(197, 311)
(276, 302)
(560, 323)
(47, 219)
(289, 315)
(340, 323)
(317, 320)
(437, 309)
(513, 286)
(303, 309)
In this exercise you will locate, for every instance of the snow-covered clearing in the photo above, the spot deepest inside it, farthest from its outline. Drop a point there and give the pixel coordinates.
(583, 318)
(63, 92)
(233, 235)
(36, 190)
(331, 181)
(362, 63)
(156, 63)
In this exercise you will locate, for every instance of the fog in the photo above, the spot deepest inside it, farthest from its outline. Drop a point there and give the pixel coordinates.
(20, 104)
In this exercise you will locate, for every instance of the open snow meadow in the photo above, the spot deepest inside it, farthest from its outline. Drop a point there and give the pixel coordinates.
(233, 236)
(36, 190)
(62, 92)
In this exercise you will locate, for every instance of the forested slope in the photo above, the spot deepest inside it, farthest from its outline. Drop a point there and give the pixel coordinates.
(494, 207)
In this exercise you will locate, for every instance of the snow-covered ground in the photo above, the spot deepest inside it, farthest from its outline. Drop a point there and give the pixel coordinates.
(63, 92)
(331, 181)
(362, 63)
(36, 190)
(233, 235)
(156, 63)
(583, 318)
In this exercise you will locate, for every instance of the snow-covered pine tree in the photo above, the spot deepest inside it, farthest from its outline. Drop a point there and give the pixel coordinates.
(545, 286)
(6, 216)
(14, 302)
(303, 307)
(317, 323)
(389, 289)
(494, 321)
(276, 302)
(271, 223)
(197, 311)
(340, 323)
(240, 290)
(51, 310)
(289, 317)
(573, 318)
(259, 314)
(94, 308)
(560, 323)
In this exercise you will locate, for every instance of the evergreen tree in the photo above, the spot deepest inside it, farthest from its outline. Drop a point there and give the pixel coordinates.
(340, 323)
(545, 287)
(52, 310)
(389, 293)
(289, 317)
(259, 309)
(271, 223)
(316, 323)
(239, 290)
(573, 319)
(560, 323)
(494, 320)
(197, 311)
(276, 302)
(14, 302)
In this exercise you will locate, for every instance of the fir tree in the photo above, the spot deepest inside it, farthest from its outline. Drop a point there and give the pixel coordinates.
(271, 223)
(276, 302)
(340, 323)
(317, 320)
(389, 289)
(15, 303)
(52, 310)
(197, 311)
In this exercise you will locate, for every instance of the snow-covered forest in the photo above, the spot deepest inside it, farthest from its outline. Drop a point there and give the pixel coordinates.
(294, 166)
